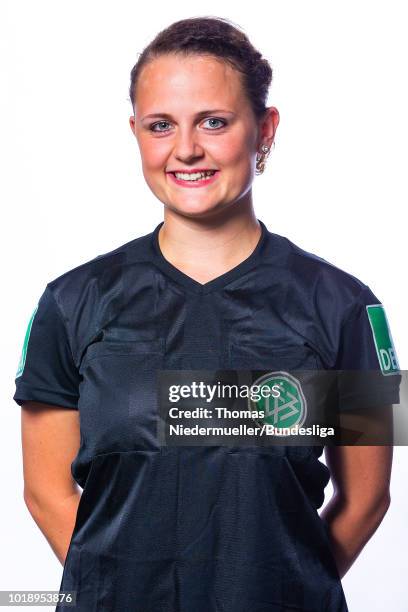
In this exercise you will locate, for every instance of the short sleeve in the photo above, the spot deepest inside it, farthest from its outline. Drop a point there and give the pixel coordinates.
(46, 370)
(367, 360)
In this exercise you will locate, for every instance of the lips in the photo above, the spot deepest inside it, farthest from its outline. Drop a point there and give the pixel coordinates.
(195, 183)
(192, 171)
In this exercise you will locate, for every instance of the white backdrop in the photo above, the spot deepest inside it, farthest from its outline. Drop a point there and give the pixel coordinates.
(72, 188)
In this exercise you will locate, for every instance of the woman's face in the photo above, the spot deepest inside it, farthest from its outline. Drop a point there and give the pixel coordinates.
(191, 113)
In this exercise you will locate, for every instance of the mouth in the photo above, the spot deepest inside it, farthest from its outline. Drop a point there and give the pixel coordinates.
(194, 179)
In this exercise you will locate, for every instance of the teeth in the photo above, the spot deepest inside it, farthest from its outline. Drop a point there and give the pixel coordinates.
(195, 176)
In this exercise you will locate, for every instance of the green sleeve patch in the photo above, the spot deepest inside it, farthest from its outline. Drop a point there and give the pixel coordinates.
(23, 356)
(384, 344)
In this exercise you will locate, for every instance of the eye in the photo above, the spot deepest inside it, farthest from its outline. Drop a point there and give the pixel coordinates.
(219, 120)
(162, 123)
(158, 123)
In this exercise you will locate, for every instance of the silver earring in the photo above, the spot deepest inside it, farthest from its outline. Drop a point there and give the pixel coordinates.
(261, 159)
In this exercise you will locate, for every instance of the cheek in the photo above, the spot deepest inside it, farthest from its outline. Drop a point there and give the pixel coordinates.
(153, 155)
(236, 150)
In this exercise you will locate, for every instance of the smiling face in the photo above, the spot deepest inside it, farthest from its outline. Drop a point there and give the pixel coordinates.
(192, 114)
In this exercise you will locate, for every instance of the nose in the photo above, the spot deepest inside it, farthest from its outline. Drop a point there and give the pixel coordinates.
(187, 146)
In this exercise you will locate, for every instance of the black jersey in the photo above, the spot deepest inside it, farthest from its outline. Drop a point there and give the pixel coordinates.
(195, 528)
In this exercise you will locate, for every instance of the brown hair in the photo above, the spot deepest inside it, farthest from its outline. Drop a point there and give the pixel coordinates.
(212, 36)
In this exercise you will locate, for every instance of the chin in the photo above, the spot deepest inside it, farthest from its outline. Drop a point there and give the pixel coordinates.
(195, 211)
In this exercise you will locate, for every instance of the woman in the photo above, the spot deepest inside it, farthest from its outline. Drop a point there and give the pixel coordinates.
(160, 528)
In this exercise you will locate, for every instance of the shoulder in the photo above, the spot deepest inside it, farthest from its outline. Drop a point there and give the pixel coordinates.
(84, 295)
(320, 283)
(90, 273)
(321, 302)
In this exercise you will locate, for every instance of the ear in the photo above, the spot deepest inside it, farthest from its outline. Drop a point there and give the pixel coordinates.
(268, 126)
(132, 124)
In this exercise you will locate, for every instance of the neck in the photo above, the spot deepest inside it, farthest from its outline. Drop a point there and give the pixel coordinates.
(205, 248)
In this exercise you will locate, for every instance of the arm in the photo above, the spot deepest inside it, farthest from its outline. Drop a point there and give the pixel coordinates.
(50, 441)
(361, 477)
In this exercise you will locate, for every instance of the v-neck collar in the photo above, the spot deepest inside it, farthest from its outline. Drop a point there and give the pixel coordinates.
(216, 283)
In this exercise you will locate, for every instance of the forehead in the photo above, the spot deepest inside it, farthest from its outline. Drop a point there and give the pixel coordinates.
(182, 81)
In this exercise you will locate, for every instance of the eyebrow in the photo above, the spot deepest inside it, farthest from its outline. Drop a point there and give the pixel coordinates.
(200, 114)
